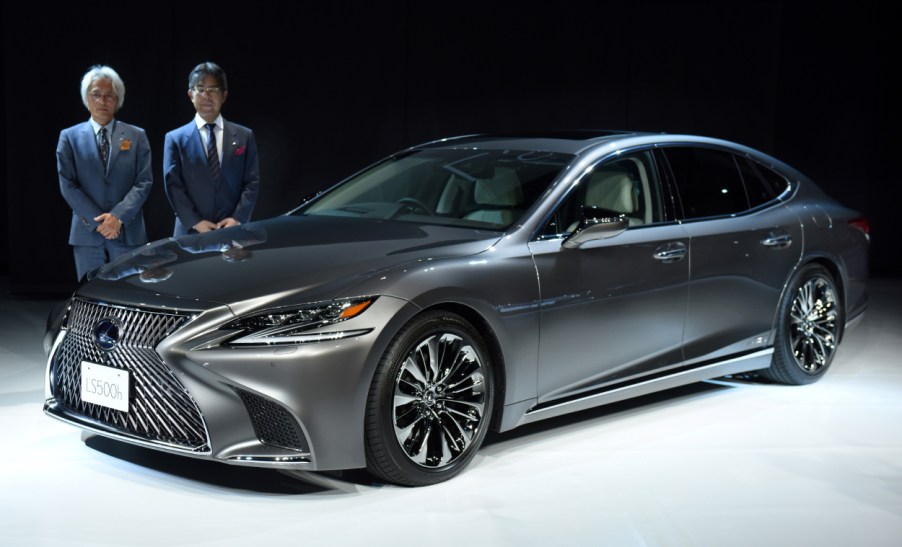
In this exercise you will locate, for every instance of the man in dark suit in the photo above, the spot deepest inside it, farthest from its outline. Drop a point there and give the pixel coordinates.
(210, 167)
(105, 175)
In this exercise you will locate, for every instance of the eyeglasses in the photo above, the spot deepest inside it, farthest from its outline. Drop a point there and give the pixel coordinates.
(211, 91)
(99, 97)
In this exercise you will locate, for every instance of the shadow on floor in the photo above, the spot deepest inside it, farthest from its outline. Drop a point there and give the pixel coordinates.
(271, 481)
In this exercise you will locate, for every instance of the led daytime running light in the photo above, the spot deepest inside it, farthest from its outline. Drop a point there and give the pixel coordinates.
(289, 325)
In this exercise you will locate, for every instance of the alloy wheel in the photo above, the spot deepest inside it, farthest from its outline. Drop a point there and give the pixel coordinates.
(439, 400)
(813, 324)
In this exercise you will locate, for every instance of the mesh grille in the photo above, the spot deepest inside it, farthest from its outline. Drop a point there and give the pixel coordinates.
(160, 408)
(272, 423)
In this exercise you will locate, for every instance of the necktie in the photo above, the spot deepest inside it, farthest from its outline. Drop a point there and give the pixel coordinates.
(212, 155)
(104, 146)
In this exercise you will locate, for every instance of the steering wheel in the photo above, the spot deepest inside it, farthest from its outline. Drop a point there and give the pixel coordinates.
(416, 204)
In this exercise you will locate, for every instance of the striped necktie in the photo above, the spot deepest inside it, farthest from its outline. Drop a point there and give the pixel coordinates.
(213, 155)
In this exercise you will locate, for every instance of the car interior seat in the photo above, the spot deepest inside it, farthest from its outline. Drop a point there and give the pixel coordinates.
(498, 200)
(614, 190)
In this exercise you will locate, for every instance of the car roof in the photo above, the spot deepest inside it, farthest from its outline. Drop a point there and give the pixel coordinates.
(574, 141)
(571, 141)
(595, 142)
(578, 142)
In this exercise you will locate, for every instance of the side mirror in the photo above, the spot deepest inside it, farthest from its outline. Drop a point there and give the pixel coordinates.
(597, 223)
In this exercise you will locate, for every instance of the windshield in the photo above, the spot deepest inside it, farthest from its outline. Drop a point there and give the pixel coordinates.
(477, 188)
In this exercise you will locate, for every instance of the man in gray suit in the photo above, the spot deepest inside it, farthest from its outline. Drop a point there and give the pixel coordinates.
(210, 169)
(105, 175)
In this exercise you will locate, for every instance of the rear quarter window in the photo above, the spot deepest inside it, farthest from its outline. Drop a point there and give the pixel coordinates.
(775, 181)
(758, 190)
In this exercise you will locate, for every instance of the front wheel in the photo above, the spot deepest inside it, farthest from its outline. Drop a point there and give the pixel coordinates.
(430, 402)
(809, 327)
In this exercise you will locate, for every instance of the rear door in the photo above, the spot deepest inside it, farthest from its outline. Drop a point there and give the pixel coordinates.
(743, 245)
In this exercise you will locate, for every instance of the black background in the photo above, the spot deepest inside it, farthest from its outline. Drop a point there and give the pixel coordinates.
(329, 89)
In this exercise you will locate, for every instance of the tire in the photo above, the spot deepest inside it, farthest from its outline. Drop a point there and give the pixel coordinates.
(430, 402)
(809, 327)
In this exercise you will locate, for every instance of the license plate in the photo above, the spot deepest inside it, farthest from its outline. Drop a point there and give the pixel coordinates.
(105, 386)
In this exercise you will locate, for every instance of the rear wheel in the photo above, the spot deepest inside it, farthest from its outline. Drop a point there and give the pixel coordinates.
(430, 402)
(808, 328)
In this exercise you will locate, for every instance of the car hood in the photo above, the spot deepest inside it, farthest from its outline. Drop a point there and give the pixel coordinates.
(314, 256)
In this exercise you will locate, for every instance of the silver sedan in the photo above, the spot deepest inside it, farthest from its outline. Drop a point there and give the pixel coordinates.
(465, 284)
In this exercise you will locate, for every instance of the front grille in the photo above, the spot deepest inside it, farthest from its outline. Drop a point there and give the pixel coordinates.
(160, 409)
(272, 423)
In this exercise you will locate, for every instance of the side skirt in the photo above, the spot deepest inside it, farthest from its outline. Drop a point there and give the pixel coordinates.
(744, 363)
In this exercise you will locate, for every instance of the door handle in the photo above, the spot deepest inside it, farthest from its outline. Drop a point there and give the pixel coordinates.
(777, 239)
(670, 252)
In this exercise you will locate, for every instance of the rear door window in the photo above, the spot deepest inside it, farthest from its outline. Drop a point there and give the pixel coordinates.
(708, 182)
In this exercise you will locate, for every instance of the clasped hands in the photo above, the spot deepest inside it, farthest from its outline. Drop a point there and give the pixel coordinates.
(109, 225)
(207, 226)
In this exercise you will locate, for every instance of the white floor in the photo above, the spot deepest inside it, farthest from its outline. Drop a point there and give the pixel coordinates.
(715, 464)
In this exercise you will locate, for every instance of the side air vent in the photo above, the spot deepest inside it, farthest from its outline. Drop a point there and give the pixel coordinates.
(272, 423)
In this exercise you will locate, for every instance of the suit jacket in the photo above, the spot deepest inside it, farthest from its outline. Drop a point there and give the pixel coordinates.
(189, 184)
(89, 190)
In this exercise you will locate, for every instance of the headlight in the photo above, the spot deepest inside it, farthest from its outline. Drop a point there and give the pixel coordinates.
(290, 325)
(57, 320)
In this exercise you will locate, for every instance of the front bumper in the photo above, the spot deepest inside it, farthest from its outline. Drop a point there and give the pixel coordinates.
(298, 406)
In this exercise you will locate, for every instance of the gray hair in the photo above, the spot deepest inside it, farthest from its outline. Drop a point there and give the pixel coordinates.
(102, 72)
